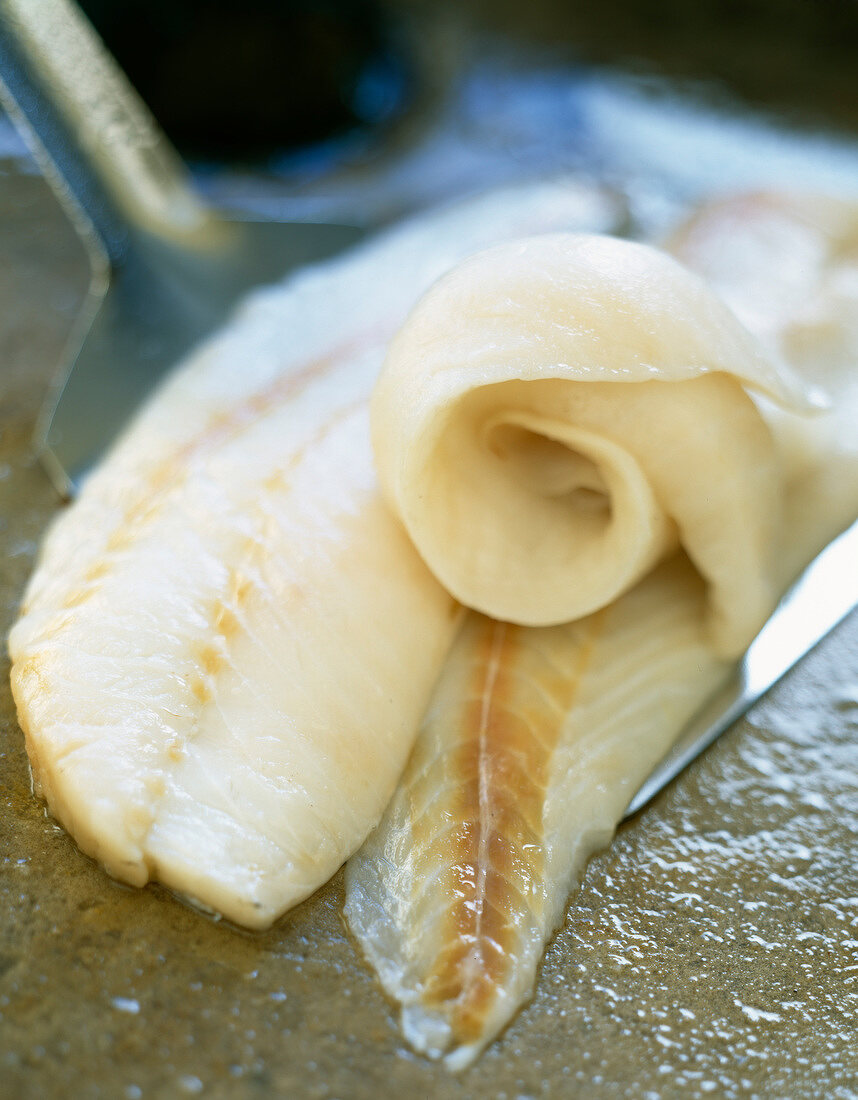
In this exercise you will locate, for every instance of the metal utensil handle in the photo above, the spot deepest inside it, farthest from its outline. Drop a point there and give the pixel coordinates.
(75, 106)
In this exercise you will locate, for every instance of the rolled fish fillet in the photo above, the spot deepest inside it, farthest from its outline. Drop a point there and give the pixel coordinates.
(225, 650)
(537, 737)
(560, 413)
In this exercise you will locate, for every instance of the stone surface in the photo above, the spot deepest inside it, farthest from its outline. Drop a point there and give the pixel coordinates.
(713, 950)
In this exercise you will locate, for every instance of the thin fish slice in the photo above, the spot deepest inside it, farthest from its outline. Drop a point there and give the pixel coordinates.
(537, 738)
(227, 645)
(557, 413)
(787, 265)
(533, 743)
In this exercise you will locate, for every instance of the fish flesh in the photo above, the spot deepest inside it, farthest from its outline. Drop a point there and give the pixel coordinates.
(787, 266)
(537, 737)
(225, 650)
(588, 410)
(532, 747)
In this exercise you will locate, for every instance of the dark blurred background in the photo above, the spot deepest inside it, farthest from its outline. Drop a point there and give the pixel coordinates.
(244, 80)
(241, 79)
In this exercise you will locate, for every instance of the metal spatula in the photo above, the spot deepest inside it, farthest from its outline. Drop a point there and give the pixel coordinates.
(166, 268)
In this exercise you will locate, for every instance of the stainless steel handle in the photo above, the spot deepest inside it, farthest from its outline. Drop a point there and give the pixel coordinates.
(102, 146)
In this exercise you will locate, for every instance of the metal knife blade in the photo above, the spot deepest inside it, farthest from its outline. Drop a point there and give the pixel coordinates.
(819, 599)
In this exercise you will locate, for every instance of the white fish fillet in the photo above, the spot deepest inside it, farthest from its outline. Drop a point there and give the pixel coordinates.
(536, 738)
(558, 411)
(787, 265)
(531, 750)
(227, 645)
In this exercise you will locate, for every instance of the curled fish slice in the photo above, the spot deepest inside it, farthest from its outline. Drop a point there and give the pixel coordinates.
(228, 642)
(533, 743)
(537, 738)
(559, 412)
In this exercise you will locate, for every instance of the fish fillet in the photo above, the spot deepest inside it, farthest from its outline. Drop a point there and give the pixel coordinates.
(227, 645)
(537, 737)
(559, 412)
(531, 749)
(787, 265)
